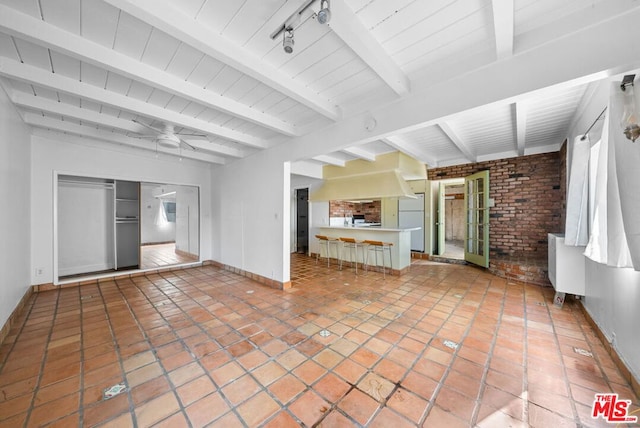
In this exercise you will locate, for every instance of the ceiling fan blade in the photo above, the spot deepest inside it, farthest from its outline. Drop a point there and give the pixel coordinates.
(187, 144)
(194, 136)
(147, 126)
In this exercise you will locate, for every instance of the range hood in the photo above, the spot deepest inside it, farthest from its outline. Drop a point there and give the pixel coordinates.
(363, 180)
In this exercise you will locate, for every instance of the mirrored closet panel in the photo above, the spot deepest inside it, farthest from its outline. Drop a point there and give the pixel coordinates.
(106, 225)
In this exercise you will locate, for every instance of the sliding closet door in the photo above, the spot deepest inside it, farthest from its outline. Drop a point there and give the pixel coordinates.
(85, 226)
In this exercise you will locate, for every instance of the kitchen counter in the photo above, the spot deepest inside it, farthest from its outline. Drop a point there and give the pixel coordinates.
(400, 238)
(370, 228)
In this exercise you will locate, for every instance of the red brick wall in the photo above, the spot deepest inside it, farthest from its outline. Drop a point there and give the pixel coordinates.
(372, 210)
(528, 202)
(563, 184)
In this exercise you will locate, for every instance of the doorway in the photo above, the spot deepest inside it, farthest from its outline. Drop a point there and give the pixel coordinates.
(302, 221)
(463, 219)
(450, 225)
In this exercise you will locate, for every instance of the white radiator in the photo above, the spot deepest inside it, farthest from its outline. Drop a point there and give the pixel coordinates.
(566, 266)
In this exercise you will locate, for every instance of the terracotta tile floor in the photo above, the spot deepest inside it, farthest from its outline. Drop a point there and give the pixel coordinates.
(444, 345)
(157, 255)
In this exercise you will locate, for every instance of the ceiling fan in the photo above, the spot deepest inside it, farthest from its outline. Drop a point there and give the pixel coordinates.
(167, 137)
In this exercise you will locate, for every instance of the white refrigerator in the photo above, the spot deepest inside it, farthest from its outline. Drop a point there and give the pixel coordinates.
(411, 214)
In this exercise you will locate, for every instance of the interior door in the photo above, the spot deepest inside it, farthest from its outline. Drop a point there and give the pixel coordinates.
(441, 219)
(302, 220)
(476, 201)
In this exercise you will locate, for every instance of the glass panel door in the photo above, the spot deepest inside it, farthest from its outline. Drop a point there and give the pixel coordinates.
(476, 198)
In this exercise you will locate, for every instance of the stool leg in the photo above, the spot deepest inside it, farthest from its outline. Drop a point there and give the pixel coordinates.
(390, 258)
(366, 260)
(384, 274)
(355, 250)
(328, 253)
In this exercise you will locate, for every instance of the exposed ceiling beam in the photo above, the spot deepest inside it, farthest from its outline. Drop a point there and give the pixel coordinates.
(353, 32)
(520, 111)
(399, 144)
(503, 25)
(457, 141)
(39, 32)
(39, 77)
(40, 121)
(307, 169)
(213, 147)
(50, 106)
(65, 137)
(585, 20)
(85, 115)
(330, 160)
(590, 54)
(360, 153)
(168, 18)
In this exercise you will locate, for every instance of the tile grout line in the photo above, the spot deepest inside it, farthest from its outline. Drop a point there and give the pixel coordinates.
(576, 415)
(525, 355)
(486, 367)
(28, 308)
(232, 407)
(455, 355)
(179, 339)
(117, 349)
(36, 387)
(594, 354)
(421, 354)
(82, 362)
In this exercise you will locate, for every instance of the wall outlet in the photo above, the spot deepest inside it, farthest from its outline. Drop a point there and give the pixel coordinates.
(39, 271)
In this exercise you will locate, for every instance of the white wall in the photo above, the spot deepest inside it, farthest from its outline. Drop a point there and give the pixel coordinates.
(612, 299)
(253, 215)
(612, 295)
(15, 167)
(80, 156)
(187, 219)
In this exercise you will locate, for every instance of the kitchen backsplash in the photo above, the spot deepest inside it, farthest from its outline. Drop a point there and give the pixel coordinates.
(372, 210)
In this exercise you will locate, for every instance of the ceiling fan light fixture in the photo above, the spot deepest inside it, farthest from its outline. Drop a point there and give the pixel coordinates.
(170, 141)
(324, 15)
(287, 40)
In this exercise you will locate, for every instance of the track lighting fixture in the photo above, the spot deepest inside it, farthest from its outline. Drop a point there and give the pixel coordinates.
(287, 40)
(324, 15)
(286, 28)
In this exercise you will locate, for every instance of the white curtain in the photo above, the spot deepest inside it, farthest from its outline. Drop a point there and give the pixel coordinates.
(161, 215)
(627, 174)
(615, 232)
(576, 227)
(597, 247)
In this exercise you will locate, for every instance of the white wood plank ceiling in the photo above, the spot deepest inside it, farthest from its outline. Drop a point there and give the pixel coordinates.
(103, 69)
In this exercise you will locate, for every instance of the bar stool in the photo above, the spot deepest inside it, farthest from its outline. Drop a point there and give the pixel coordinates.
(352, 245)
(327, 242)
(379, 247)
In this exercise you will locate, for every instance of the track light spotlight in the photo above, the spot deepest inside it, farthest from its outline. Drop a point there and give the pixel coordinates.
(324, 16)
(287, 40)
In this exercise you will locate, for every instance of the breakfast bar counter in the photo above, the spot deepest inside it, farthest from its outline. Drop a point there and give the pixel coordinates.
(400, 238)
